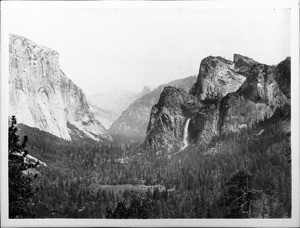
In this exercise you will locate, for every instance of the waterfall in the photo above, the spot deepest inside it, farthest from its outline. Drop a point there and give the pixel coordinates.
(186, 134)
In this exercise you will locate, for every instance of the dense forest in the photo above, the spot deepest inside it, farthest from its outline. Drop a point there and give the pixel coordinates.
(238, 175)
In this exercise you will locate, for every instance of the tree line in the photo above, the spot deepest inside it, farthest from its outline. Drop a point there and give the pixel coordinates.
(238, 175)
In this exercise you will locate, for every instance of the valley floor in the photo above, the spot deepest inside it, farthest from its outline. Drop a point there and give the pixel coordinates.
(238, 175)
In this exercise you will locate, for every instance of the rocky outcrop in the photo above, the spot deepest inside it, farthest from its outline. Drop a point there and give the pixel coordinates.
(133, 122)
(41, 95)
(167, 119)
(257, 99)
(254, 98)
(217, 77)
(243, 64)
(233, 95)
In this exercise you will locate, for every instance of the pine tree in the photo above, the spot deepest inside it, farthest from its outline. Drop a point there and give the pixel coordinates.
(239, 196)
(20, 191)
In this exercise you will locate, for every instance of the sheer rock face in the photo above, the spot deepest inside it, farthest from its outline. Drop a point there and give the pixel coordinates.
(231, 96)
(283, 76)
(257, 98)
(134, 121)
(217, 77)
(167, 119)
(41, 96)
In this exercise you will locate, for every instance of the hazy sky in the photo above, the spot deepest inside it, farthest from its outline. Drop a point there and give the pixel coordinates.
(130, 48)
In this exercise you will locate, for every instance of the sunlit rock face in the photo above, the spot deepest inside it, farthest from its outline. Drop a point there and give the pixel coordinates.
(217, 77)
(41, 95)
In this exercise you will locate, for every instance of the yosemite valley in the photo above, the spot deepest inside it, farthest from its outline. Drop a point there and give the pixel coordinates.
(211, 145)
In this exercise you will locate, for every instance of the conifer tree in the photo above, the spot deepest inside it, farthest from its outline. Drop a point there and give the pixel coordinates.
(20, 191)
(240, 196)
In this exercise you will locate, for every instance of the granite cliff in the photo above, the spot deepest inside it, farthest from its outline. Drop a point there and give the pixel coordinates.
(258, 98)
(230, 95)
(42, 96)
(168, 117)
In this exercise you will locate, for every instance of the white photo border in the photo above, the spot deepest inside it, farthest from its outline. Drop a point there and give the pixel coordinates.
(206, 4)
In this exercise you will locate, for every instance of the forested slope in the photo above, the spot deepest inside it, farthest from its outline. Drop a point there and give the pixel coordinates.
(245, 174)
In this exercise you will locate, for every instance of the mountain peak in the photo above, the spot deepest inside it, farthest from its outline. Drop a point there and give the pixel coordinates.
(21, 43)
(238, 57)
(217, 77)
(145, 90)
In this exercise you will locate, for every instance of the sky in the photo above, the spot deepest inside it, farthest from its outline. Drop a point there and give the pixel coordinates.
(134, 47)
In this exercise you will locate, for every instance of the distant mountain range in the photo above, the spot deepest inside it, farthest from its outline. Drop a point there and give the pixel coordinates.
(107, 106)
(134, 120)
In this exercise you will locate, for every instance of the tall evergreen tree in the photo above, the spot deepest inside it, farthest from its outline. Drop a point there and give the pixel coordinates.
(240, 195)
(20, 191)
